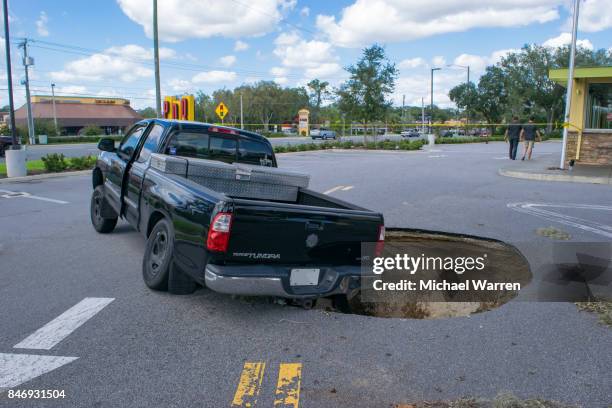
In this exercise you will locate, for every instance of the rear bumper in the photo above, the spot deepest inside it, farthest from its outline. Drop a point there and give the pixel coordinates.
(261, 280)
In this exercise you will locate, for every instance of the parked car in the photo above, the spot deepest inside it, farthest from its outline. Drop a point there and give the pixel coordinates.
(410, 133)
(5, 143)
(203, 229)
(323, 134)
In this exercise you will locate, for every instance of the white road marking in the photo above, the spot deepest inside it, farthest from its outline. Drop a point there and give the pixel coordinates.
(331, 190)
(59, 328)
(347, 188)
(500, 158)
(15, 369)
(23, 194)
(585, 225)
(436, 156)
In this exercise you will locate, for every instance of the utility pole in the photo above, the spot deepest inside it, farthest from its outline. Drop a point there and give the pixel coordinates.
(7, 48)
(54, 112)
(403, 109)
(570, 83)
(422, 115)
(156, 58)
(467, 108)
(27, 61)
(432, 105)
(241, 113)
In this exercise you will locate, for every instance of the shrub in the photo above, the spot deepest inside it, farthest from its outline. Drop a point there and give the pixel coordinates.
(54, 162)
(91, 130)
(82, 163)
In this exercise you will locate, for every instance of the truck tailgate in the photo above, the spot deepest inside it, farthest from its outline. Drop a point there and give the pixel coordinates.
(264, 232)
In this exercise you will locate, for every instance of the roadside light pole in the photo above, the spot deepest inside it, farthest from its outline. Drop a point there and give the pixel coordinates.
(423, 116)
(570, 84)
(28, 61)
(156, 58)
(7, 48)
(241, 113)
(54, 112)
(431, 101)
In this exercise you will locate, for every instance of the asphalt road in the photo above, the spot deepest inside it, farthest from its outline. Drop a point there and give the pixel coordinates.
(84, 149)
(151, 349)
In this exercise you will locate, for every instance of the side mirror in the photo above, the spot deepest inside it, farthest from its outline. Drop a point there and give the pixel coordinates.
(106, 144)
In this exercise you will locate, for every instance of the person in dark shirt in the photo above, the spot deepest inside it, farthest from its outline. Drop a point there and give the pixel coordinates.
(513, 135)
(529, 134)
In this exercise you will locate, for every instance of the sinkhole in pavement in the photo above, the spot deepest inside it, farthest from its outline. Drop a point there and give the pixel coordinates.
(503, 264)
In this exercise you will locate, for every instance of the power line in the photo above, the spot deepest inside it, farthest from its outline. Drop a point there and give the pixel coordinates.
(65, 48)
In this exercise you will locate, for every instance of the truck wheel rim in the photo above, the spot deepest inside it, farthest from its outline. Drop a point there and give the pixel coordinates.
(158, 252)
(97, 206)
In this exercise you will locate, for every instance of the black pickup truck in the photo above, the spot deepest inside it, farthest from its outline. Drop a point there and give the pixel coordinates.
(303, 249)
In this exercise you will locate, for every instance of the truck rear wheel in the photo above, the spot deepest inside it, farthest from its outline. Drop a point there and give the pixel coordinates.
(100, 224)
(158, 256)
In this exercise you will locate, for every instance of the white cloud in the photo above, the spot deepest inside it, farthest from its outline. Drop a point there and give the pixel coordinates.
(281, 80)
(296, 52)
(278, 71)
(179, 85)
(133, 51)
(122, 63)
(180, 20)
(438, 61)
(415, 79)
(411, 63)
(41, 24)
(305, 12)
(565, 39)
(227, 61)
(315, 58)
(214, 77)
(71, 89)
(400, 20)
(240, 46)
(595, 15)
(323, 70)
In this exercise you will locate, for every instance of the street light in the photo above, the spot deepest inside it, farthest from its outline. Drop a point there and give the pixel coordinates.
(54, 112)
(431, 106)
(467, 107)
(570, 83)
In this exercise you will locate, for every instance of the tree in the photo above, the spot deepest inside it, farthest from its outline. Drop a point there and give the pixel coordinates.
(489, 98)
(364, 95)
(318, 94)
(147, 112)
(530, 91)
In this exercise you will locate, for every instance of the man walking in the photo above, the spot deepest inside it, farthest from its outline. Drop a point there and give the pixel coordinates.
(528, 134)
(512, 136)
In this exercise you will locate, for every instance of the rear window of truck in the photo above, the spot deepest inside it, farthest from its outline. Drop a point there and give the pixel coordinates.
(224, 148)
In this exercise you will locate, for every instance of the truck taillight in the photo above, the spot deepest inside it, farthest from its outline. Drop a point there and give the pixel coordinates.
(380, 244)
(219, 232)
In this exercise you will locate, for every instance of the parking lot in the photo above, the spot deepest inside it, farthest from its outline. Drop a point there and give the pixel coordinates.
(79, 318)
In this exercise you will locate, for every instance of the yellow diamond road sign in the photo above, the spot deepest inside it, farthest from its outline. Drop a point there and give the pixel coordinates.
(221, 110)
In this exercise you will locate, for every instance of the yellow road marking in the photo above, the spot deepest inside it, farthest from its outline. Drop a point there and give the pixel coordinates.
(249, 384)
(288, 386)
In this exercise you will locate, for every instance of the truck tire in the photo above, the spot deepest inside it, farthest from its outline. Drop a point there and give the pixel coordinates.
(101, 224)
(158, 256)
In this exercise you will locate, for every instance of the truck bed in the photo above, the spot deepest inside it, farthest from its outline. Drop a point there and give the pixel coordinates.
(315, 229)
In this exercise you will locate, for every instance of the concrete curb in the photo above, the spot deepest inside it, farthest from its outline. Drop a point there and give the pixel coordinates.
(43, 176)
(355, 150)
(554, 177)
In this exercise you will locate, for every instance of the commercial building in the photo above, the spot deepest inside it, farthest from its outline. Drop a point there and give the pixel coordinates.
(73, 114)
(590, 124)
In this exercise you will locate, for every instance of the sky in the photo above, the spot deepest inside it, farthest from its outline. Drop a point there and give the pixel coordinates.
(104, 47)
